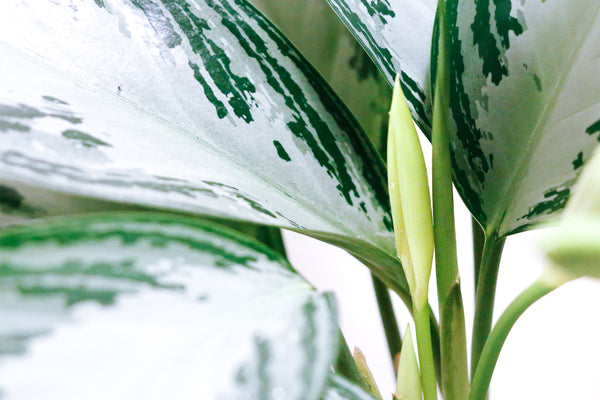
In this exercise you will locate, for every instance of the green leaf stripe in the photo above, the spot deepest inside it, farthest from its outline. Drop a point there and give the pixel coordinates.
(176, 306)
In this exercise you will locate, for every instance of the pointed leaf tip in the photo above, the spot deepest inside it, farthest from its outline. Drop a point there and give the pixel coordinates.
(409, 197)
(408, 384)
(365, 372)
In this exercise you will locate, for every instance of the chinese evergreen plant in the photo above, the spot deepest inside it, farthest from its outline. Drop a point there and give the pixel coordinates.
(137, 133)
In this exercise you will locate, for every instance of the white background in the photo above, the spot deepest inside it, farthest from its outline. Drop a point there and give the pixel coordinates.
(552, 353)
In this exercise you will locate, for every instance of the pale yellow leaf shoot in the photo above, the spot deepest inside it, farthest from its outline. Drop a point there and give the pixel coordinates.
(408, 383)
(409, 197)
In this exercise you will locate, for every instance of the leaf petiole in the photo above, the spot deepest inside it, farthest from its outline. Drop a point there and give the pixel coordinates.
(493, 345)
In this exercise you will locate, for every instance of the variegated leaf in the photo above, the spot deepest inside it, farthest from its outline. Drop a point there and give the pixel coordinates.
(200, 107)
(397, 35)
(150, 306)
(525, 103)
(323, 39)
(524, 94)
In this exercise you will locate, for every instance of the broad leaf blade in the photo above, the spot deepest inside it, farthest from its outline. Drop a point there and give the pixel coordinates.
(524, 94)
(150, 306)
(397, 35)
(200, 107)
(525, 100)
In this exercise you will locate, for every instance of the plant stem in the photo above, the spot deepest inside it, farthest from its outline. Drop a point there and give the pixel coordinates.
(491, 350)
(443, 207)
(443, 212)
(345, 364)
(388, 318)
(485, 296)
(435, 345)
(405, 297)
(478, 243)
(452, 320)
(455, 376)
(426, 363)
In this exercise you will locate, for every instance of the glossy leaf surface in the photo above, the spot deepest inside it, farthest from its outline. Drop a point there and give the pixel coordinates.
(153, 306)
(524, 94)
(320, 35)
(200, 107)
(525, 103)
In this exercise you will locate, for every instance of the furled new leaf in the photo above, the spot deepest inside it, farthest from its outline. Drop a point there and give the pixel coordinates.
(409, 198)
(525, 105)
(201, 107)
(408, 380)
(150, 306)
(397, 35)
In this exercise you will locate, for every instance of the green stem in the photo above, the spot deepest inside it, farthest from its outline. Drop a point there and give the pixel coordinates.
(443, 216)
(452, 319)
(443, 207)
(491, 351)
(455, 377)
(426, 362)
(452, 323)
(436, 345)
(388, 318)
(485, 296)
(390, 281)
(345, 364)
(478, 243)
